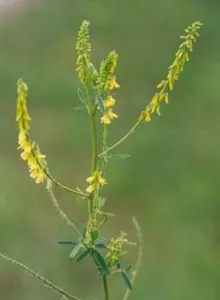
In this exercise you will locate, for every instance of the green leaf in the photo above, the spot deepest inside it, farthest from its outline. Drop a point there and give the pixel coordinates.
(103, 220)
(101, 262)
(126, 280)
(83, 255)
(94, 235)
(82, 97)
(75, 251)
(101, 203)
(84, 233)
(67, 243)
(100, 243)
(118, 156)
(109, 214)
(128, 268)
(99, 101)
(79, 108)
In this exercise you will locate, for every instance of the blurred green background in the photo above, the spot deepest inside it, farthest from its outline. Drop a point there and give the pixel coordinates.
(170, 183)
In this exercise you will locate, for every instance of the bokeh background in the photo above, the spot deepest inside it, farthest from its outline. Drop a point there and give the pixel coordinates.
(170, 183)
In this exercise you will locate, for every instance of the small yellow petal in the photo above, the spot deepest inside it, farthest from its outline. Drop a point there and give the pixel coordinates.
(102, 181)
(25, 155)
(40, 177)
(109, 101)
(112, 115)
(90, 189)
(90, 179)
(105, 119)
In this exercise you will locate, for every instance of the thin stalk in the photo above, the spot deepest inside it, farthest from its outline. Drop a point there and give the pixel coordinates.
(94, 145)
(122, 139)
(105, 285)
(47, 173)
(104, 148)
(58, 208)
(66, 188)
(139, 257)
(45, 281)
(92, 112)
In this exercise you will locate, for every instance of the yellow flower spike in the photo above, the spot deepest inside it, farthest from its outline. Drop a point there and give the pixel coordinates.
(174, 71)
(109, 102)
(30, 151)
(83, 48)
(107, 79)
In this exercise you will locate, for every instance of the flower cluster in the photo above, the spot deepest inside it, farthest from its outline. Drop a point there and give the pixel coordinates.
(30, 150)
(167, 85)
(106, 83)
(99, 84)
(107, 79)
(115, 250)
(109, 102)
(83, 48)
(94, 181)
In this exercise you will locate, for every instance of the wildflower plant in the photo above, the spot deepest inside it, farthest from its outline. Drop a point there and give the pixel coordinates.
(98, 95)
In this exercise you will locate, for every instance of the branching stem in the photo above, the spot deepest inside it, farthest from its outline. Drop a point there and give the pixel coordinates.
(45, 281)
(131, 131)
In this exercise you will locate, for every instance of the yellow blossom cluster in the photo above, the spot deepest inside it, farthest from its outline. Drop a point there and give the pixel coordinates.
(94, 181)
(30, 150)
(109, 102)
(106, 83)
(107, 79)
(83, 48)
(167, 85)
(115, 250)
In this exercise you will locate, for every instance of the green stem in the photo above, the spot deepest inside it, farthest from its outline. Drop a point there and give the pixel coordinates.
(122, 139)
(64, 187)
(94, 145)
(92, 112)
(104, 148)
(105, 285)
(45, 281)
(47, 173)
(58, 208)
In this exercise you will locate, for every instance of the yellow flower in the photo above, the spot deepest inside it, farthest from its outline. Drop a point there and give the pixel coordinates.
(174, 71)
(83, 48)
(112, 84)
(29, 150)
(109, 102)
(108, 116)
(107, 79)
(94, 180)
